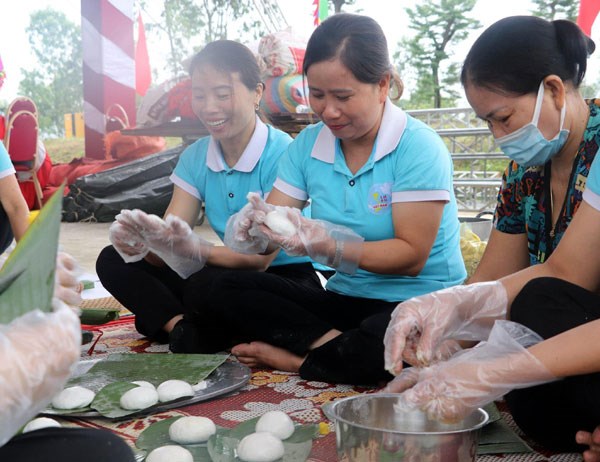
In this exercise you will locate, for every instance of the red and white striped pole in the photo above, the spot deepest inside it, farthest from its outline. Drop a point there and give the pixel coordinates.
(108, 66)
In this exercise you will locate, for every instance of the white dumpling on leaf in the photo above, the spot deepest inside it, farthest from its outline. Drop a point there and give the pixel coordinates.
(170, 453)
(143, 383)
(174, 389)
(277, 423)
(192, 430)
(40, 422)
(73, 398)
(260, 447)
(139, 397)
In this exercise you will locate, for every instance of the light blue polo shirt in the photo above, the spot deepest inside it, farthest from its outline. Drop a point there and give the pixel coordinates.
(592, 186)
(409, 163)
(202, 172)
(6, 166)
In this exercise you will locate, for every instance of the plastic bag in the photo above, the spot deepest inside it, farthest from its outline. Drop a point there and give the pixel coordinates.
(282, 52)
(471, 248)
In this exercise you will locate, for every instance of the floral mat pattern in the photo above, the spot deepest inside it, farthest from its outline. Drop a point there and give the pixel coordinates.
(267, 390)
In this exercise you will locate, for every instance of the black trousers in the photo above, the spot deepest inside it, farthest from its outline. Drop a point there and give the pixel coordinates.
(66, 445)
(551, 414)
(157, 294)
(6, 235)
(154, 294)
(292, 317)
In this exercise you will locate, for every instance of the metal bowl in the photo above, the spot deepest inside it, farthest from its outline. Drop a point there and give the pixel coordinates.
(368, 428)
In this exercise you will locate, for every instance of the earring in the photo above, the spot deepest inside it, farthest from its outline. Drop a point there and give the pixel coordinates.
(257, 106)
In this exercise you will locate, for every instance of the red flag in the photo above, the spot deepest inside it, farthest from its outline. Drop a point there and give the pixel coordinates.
(143, 75)
(588, 10)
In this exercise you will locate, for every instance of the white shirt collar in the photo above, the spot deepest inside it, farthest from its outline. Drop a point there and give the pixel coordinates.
(393, 123)
(250, 156)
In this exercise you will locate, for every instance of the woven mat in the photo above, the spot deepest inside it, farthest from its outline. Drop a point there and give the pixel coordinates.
(105, 303)
(267, 390)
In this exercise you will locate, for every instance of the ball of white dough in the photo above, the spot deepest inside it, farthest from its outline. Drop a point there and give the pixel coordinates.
(138, 398)
(192, 430)
(277, 423)
(40, 422)
(260, 447)
(73, 398)
(173, 389)
(278, 222)
(143, 383)
(170, 453)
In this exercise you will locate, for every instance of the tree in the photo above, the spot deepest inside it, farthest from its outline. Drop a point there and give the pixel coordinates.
(556, 9)
(56, 83)
(338, 4)
(438, 25)
(190, 24)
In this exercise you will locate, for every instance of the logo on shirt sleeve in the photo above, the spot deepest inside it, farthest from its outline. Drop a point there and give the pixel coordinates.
(380, 198)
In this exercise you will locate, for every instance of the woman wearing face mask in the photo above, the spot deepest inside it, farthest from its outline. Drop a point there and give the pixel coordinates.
(556, 299)
(522, 77)
(151, 267)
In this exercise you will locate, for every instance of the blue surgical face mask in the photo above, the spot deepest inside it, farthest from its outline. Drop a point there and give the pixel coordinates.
(527, 145)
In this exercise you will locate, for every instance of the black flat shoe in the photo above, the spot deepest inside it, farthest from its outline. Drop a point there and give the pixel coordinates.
(184, 338)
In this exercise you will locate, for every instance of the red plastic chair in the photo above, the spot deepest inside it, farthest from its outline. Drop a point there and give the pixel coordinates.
(21, 142)
(21, 103)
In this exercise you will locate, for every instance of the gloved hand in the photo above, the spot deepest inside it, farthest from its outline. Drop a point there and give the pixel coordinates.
(173, 241)
(37, 354)
(450, 390)
(126, 239)
(241, 231)
(423, 329)
(327, 243)
(66, 285)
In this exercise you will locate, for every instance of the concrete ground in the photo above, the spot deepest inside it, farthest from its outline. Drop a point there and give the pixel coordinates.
(84, 241)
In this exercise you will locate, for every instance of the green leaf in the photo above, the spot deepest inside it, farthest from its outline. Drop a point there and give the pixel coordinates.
(156, 435)
(492, 411)
(243, 428)
(27, 277)
(303, 433)
(154, 368)
(222, 446)
(297, 447)
(96, 317)
(107, 400)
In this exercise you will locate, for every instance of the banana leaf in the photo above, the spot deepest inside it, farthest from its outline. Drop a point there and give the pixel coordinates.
(95, 317)
(27, 277)
(222, 445)
(152, 367)
(107, 401)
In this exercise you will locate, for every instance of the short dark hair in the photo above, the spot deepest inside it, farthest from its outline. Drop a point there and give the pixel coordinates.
(516, 53)
(358, 41)
(229, 57)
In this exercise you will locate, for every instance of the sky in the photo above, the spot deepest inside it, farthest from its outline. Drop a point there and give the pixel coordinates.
(298, 14)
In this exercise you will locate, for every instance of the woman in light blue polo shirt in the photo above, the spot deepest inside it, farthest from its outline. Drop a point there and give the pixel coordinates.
(383, 183)
(14, 213)
(239, 156)
(568, 357)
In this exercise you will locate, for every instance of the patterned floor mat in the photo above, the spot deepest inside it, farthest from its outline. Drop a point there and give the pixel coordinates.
(266, 390)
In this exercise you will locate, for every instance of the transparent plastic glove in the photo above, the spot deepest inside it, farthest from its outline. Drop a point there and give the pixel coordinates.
(126, 239)
(37, 354)
(66, 284)
(241, 232)
(333, 245)
(450, 390)
(174, 242)
(424, 329)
